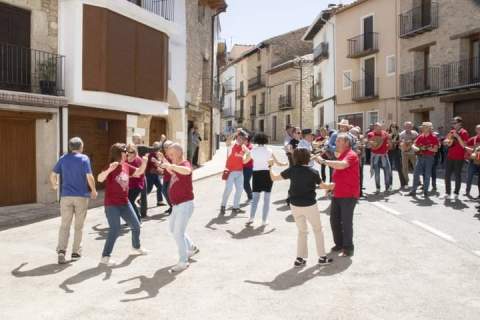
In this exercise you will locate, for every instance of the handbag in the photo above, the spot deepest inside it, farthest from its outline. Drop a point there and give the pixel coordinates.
(225, 174)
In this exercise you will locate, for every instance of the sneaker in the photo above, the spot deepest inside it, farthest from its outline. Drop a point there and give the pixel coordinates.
(388, 189)
(179, 267)
(346, 253)
(467, 194)
(107, 262)
(140, 251)
(76, 256)
(168, 211)
(377, 191)
(446, 197)
(264, 223)
(61, 258)
(249, 223)
(323, 261)
(222, 210)
(411, 194)
(336, 249)
(193, 251)
(237, 211)
(425, 195)
(455, 196)
(161, 204)
(300, 262)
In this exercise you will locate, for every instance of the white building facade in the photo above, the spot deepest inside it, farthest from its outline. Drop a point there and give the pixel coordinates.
(228, 80)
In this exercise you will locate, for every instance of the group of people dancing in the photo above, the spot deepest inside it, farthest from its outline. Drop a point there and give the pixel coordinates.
(304, 179)
(132, 171)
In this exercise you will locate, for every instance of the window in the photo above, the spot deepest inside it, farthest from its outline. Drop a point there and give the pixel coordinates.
(201, 11)
(287, 120)
(372, 117)
(263, 99)
(391, 66)
(254, 101)
(274, 128)
(321, 120)
(259, 72)
(355, 119)
(347, 79)
(259, 55)
(261, 125)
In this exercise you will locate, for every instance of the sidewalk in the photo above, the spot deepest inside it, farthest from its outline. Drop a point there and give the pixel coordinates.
(15, 216)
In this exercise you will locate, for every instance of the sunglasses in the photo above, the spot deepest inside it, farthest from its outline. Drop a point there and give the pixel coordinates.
(123, 151)
(131, 152)
(298, 132)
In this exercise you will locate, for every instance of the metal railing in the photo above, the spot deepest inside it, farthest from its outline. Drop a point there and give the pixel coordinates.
(365, 89)
(316, 92)
(362, 45)
(284, 102)
(320, 52)
(461, 74)
(420, 82)
(256, 82)
(163, 8)
(29, 70)
(418, 20)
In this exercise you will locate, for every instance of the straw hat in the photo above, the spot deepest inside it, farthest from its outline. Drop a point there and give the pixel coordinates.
(427, 124)
(343, 123)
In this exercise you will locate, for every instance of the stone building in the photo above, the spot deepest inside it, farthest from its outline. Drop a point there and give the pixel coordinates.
(440, 61)
(32, 94)
(365, 62)
(202, 104)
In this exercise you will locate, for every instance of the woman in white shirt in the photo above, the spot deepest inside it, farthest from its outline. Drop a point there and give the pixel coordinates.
(262, 157)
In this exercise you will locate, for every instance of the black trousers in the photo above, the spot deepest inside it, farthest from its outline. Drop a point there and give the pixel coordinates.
(195, 157)
(132, 197)
(143, 200)
(395, 157)
(341, 221)
(455, 167)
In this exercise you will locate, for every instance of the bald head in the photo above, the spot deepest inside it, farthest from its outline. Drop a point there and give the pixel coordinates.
(175, 153)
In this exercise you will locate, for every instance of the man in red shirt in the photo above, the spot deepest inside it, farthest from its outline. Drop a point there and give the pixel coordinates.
(180, 194)
(426, 145)
(378, 143)
(456, 156)
(346, 177)
(473, 155)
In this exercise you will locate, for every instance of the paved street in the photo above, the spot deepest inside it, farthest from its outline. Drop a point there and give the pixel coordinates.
(414, 259)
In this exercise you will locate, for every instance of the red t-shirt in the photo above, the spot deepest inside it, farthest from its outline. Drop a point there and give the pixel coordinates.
(424, 141)
(235, 159)
(134, 182)
(249, 164)
(180, 188)
(455, 151)
(166, 175)
(116, 185)
(383, 149)
(151, 167)
(472, 142)
(347, 181)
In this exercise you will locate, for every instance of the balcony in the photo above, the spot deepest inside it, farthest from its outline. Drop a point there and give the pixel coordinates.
(463, 74)
(253, 111)
(163, 8)
(363, 45)
(228, 113)
(256, 83)
(239, 116)
(32, 71)
(365, 89)
(320, 52)
(285, 102)
(261, 108)
(228, 87)
(316, 92)
(419, 20)
(419, 83)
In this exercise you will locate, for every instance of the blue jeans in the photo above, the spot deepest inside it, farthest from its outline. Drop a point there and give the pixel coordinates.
(423, 167)
(378, 161)
(234, 178)
(178, 221)
(473, 169)
(154, 180)
(266, 205)
(247, 181)
(114, 213)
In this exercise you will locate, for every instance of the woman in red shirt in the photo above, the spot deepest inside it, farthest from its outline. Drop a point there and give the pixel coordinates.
(117, 179)
(135, 185)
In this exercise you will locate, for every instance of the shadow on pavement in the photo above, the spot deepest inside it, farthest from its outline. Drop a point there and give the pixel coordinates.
(158, 217)
(248, 232)
(279, 202)
(455, 204)
(102, 233)
(151, 286)
(295, 277)
(284, 208)
(93, 273)
(220, 219)
(290, 218)
(422, 202)
(45, 270)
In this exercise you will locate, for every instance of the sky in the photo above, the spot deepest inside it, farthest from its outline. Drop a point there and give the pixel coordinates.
(251, 21)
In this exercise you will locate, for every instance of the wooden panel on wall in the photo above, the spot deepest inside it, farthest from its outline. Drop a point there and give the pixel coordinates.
(18, 165)
(123, 56)
(94, 48)
(158, 126)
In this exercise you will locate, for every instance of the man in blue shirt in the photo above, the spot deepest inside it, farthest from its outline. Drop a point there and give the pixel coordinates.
(75, 173)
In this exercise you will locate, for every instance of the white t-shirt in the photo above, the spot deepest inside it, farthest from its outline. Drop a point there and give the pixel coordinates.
(260, 155)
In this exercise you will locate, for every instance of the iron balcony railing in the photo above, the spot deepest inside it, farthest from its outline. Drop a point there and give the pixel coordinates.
(320, 52)
(363, 45)
(461, 74)
(228, 113)
(261, 108)
(239, 115)
(285, 102)
(316, 92)
(29, 70)
(163, 8)
(419, 20)
(256, 82)
(420, 82)
(365, 89)
(253, 110)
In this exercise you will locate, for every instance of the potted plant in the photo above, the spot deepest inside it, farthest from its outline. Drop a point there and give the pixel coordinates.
(47, 73)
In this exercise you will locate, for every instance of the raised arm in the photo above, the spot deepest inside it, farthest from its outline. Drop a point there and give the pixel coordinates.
(274, 176)
(278, 163)
(183, 170)
(104, 174)
(141, 170)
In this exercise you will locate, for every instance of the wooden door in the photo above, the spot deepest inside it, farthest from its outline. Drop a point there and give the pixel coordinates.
(470, 112)
(158, 126)
(368, 33)
(17, 162)
(369, 77)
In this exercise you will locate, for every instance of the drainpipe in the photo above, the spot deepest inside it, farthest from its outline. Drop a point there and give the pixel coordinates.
(60, 133)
